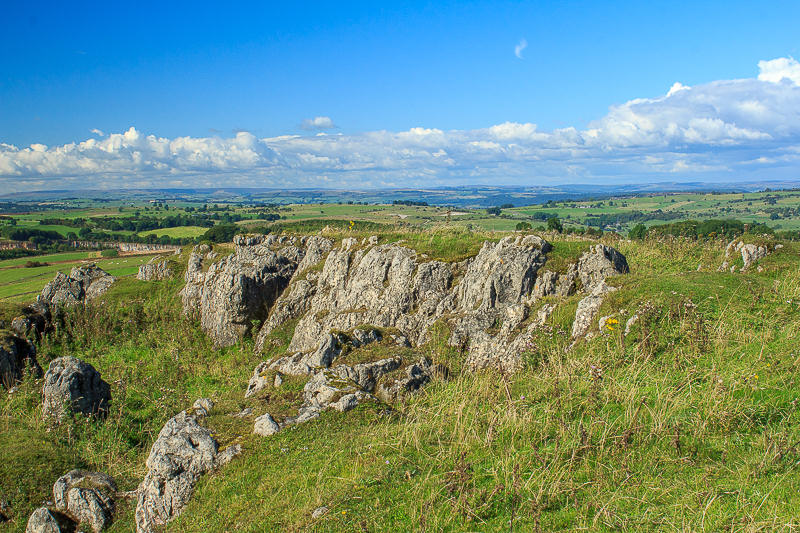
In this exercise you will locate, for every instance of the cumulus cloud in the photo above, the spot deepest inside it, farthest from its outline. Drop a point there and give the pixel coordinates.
(730, 129)
(521, 45)
(98, 132)
(318, 123)
(777, 70)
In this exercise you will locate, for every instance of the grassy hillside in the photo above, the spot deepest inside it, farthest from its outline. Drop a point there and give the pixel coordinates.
(689, 423)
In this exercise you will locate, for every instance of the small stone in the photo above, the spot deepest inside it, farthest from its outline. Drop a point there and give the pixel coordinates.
(202, 406)
(319, 512)
(227, 455)
(278, 381)
(265, 425)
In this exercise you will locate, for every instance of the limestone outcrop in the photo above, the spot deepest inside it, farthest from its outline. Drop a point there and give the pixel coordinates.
(485, 300)
(74, 386)
(155, 270)
(183, 452)
(239, 288)
(750, 253)
(82, 284)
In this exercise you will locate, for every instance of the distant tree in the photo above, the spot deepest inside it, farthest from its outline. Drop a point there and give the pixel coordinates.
(493, 211)
(523, 226)
(554, 224)
(638, 232)
(506, 206)
(221, 233)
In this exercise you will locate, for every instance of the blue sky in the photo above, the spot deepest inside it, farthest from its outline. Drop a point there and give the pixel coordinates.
(196, 76)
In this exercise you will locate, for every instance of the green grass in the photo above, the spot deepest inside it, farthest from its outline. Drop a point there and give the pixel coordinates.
(20, 283)
(181, 231)
(694, 424)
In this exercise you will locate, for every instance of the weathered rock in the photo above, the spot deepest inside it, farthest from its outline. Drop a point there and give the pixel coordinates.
(502, 273)
(381, 285)
(416, 376)
(74, 386)
(366, 375)
(202, 406)
(87, 497)
(181, 454)
(600, 263)
(43, 520)
(17, 355)
(82, 284)
(238, 289)
(154, 270)
(226, 456)
(752, 253)
(364, 336)
(293, 303)
(265, 425)
(587, 309)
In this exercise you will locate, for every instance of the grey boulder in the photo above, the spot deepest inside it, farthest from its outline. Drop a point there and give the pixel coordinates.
(74, 386)
(43, 520)
(82, 284)
(87, 497)
(182, 453)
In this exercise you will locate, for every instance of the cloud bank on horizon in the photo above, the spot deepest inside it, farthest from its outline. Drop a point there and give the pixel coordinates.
(729, 130)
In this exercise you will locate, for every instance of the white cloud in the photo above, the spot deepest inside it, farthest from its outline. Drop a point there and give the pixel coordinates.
(732, 129)
(777, 70)
(521, 45)
(98, 132)
(318, 123)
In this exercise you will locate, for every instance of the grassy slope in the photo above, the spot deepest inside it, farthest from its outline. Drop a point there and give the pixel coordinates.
(693, 425)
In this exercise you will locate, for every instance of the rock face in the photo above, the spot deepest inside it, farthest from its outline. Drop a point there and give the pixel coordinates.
(484, 300)
(86, 497)
(181, 454)
(73, 386)
(16, 355)
(154, 270)
(83, 283)
(239, 288)
(43, 520)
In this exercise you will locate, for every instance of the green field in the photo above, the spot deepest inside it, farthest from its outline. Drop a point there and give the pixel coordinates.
(778, 209)
(181, 231)
(19, 283)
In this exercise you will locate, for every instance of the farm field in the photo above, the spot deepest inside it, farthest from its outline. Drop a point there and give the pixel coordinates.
(779, 209)
(180, 231)
(19, 283)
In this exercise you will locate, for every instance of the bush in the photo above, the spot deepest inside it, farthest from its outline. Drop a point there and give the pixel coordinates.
(221, 233)
(110, 252)
(638, 232)
(554, 224)
(523, 226)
